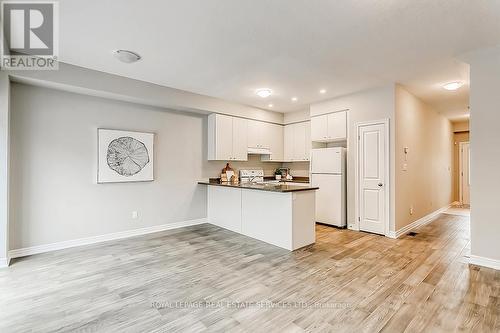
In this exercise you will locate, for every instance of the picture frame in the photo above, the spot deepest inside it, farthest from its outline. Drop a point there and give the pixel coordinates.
(124, 156)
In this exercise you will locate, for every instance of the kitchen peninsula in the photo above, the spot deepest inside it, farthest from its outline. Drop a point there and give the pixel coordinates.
(276, 213)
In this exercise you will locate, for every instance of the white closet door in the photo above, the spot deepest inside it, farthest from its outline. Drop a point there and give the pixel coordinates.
(372, 178)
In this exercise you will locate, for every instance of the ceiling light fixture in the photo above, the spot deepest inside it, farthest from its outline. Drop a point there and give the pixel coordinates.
(322, 91)
(294, 99)
(126, 56)
(264, 92)
(453, 85)
(270, 105)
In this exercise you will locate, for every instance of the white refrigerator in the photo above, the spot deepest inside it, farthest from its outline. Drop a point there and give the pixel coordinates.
(328, 173)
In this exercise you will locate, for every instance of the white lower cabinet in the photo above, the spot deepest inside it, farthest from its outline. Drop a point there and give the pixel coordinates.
(298, 184)
(282, 219)
(224, 207)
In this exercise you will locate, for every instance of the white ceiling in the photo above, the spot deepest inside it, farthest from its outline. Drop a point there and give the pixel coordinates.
(228, 48)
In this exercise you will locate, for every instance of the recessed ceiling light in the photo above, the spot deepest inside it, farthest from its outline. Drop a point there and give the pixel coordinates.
(264, 92)
(270, 105)
(294, 99)
(322, 91)
(127, 56)
(453, 85)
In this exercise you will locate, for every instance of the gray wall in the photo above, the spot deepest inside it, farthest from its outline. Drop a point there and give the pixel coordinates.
(54, 195)
(485, 153)
(4, 167)
(91, 82)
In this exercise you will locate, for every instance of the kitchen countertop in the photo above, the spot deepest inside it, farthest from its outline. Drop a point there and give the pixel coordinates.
(281, 187)
(296, 179)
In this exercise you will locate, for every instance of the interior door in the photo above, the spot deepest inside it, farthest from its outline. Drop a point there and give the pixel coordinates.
(465, 173)
(372, 177)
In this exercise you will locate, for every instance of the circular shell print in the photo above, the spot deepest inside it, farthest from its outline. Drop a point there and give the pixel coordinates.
(127, 156)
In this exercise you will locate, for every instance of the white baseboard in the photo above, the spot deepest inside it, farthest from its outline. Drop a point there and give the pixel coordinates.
(391, 234)
(418, 223)
(485, 262)
(26, 251)
(4, 262)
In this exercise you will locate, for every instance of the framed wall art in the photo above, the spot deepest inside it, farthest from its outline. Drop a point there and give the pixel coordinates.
(124, 156)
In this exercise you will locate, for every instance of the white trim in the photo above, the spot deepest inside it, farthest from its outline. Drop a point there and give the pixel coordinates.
(387, 185)
(485, 262)
(4, 262)
(418, 223)
(330, 112)
(460, 170)
(101, 238)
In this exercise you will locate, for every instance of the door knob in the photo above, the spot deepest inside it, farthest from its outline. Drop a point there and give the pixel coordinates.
(380, 184)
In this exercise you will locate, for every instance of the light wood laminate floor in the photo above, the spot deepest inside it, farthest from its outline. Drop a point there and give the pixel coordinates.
(347, 282)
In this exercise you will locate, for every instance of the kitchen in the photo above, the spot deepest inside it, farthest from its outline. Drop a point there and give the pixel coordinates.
(289, 201)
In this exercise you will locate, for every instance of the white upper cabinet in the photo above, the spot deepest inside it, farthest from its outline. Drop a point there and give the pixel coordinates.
(329, 127)
(274, 139)
(222, 135)
(297, 142)
(319, 128)
(240, 137)
(288, 143)
(337, 126)
(268, 135)
(259, 134)
(254, 129)
(230, 137)
(227, 138)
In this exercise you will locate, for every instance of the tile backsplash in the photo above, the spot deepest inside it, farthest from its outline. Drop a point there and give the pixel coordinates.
(214, 168)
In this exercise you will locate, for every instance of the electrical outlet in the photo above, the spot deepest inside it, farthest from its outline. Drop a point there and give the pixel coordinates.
(411, 210)
(135, 214)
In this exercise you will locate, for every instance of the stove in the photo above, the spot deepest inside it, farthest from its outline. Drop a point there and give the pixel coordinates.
(252, 175)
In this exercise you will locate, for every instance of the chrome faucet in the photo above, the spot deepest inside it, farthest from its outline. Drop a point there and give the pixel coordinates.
(251, 179)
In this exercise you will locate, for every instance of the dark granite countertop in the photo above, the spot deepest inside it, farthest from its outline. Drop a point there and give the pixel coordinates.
(296, 179)
(281, 187)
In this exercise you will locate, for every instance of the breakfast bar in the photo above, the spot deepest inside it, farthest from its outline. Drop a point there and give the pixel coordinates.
(276, 213)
